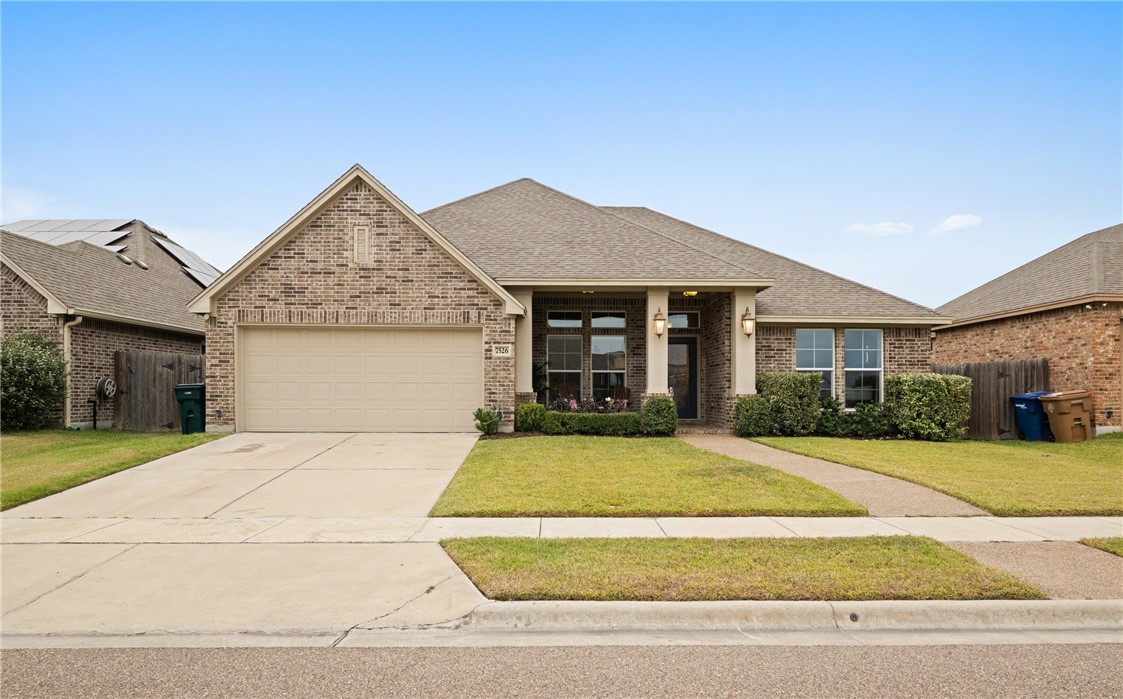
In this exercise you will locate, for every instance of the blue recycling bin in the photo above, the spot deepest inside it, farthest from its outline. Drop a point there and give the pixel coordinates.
(1031, 418)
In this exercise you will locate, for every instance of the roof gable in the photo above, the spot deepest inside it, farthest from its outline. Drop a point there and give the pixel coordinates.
(204, 302)
(1091, 265)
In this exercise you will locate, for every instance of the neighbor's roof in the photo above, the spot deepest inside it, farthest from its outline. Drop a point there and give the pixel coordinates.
(525, 231)
(112, 234)
(88, 279)
(1091, 265)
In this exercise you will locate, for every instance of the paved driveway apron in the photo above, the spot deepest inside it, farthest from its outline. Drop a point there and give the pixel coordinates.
(122, 572)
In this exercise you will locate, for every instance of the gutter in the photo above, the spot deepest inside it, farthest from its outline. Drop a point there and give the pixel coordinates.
(66, 357)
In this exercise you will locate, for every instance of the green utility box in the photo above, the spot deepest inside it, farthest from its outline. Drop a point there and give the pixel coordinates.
(192, 399)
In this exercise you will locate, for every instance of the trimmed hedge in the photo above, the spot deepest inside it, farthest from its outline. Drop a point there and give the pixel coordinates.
(832, 421)
(753, 418)
(32, 381)
(869, 421)
(933, 407)
(528, 417)
(793, 397)
(659, 417)
(604, 424)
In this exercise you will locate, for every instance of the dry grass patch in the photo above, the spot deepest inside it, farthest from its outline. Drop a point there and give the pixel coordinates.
(37, 464)
(1111, 544)
(620, 477)
(866, 568)
(1008, 478)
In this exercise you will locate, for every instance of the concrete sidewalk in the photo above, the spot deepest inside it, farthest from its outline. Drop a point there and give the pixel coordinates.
(883, 496)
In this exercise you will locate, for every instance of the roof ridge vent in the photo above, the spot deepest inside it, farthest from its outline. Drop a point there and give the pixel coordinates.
(124, 258)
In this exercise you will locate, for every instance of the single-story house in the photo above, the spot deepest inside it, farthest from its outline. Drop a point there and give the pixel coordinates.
(1065, 306)
(359, 314)
(94, 287)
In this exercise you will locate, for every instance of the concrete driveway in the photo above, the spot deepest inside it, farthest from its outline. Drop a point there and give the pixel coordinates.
(252, 535)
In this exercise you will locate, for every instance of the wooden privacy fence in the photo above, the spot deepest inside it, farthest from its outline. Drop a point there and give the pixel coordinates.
(146, 388)
(992, 384)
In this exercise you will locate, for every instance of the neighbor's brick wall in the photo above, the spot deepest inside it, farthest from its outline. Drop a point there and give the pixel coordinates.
(312, 279)
(23, 309)
(906, 351)
(93, 346)
(1083, 347)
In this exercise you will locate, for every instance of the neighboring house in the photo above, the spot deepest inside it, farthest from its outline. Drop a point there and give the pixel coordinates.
(94, 287)
(1065, 306)
(359, 314)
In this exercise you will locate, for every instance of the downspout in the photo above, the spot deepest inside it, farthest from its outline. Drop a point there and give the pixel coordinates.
(66, 357)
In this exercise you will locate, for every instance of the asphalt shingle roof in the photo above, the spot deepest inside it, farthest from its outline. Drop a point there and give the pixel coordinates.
(1092, 264)
(525, 230)
(94, 279)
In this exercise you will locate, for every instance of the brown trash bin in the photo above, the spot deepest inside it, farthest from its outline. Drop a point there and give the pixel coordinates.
(1070, 415)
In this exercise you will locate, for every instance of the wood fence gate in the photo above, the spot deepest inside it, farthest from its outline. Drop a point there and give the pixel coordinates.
(146, 388)
(992, 384)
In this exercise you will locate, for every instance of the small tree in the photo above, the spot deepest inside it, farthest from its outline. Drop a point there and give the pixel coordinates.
(32, 381)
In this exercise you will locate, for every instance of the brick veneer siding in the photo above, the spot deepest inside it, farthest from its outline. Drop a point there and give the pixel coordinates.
(313, 280)
(715, 371)
(1083, 347)
(906, 350)
(93, 346)
(23, 309)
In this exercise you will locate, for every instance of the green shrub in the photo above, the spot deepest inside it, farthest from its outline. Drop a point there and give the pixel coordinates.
(793, 397)
(933, 407)
(605, 424)
(832, 421)
(32, 381)
(487, 421)
(753, 418)
(528, 417)
(659, 417)
(869, 421)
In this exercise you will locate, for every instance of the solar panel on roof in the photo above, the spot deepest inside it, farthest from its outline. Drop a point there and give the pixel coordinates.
(186, 257)
(203, 278)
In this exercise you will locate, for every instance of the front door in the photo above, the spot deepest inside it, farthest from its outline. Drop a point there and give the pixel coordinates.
(682, 375)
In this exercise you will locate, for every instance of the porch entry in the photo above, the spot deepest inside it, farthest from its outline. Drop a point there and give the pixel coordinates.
(682, 375)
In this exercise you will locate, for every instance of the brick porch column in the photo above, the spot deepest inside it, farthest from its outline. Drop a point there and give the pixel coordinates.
(744, 346)
(657, 383)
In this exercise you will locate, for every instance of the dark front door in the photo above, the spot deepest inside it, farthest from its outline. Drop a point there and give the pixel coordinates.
(682, 375)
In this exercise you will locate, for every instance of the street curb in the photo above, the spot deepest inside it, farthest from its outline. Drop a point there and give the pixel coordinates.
(935, 615)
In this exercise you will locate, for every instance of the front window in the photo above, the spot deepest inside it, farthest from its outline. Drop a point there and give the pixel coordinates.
(608, 319)
(814, 351)
(863, 367)
(564, 320)
(609, 361)
(564, 365)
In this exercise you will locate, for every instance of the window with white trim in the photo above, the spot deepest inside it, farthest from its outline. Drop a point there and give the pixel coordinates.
(563, 364)
(609, 364)
(814, 351)
(863, 367)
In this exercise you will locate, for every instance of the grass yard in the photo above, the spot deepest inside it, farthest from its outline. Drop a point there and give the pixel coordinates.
(620, 477)
(867, 568)
(37, 464)
(1009, 478)
(1111, 544)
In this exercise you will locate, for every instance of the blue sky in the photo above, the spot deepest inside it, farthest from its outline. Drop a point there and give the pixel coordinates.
(919, 148)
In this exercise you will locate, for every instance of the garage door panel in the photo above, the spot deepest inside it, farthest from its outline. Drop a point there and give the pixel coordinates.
(320, 379)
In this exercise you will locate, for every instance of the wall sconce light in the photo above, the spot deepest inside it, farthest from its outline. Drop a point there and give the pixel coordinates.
(748, 322)
(660, 323)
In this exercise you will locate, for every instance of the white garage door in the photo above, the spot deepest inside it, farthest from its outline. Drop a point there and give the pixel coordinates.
(360, 379)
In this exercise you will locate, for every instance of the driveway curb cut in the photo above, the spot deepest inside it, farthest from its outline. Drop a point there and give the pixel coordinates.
(936, 615)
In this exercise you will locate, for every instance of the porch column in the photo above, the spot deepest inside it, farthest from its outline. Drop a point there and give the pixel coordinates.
(656, 346)
(524, 344)
(744, 346)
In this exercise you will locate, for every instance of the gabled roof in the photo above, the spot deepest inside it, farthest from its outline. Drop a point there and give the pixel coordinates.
(117, 235)
(203, 303)
(79, 278)
(1090, 266)
(524, 231)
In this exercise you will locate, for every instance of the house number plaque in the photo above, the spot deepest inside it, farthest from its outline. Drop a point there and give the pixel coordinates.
(502, 350)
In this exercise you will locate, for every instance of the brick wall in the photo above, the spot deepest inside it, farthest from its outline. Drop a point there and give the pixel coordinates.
(1083, 347)
(23, 309)
(313, 279)
(93, 345)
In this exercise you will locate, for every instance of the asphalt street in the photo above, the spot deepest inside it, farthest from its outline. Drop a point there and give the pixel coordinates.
(839, 672)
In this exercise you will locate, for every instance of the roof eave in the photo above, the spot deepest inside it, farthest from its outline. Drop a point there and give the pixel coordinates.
(1039, 308)
(55, 305)
(929, 321)
(702, 284)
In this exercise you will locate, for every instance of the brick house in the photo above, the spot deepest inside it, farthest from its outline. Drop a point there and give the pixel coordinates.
(1065, 306)
(359, 314)
(96, 286)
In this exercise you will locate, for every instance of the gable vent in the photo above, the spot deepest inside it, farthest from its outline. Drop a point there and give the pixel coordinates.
(362, 253)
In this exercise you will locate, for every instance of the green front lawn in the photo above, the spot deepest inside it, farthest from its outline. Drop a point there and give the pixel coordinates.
(37, 464)
(867, 568)
(621, 477)
(1009, 478)
(1111, 544)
